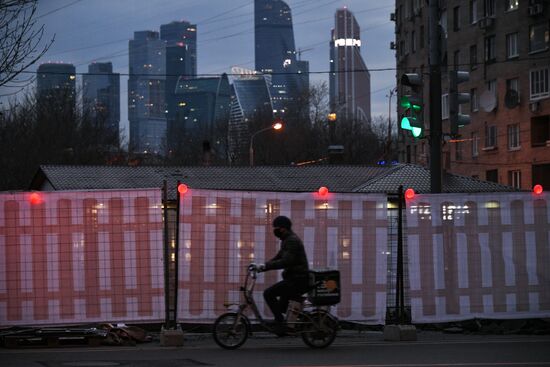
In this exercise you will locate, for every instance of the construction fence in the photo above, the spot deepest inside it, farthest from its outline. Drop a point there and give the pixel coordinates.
(107, 256)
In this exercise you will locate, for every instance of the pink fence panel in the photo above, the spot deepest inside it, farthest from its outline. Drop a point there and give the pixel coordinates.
(221, 232)
(478, 256)
(79, 257)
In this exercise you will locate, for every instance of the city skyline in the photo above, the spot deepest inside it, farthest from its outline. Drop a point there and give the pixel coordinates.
(225, 36)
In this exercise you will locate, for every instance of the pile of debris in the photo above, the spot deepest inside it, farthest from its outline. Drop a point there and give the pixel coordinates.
(104, 334)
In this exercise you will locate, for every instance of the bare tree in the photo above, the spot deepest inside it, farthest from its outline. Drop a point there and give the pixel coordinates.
(20, 39)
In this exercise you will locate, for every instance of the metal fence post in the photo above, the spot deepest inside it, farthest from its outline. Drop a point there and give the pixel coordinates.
(399, 289)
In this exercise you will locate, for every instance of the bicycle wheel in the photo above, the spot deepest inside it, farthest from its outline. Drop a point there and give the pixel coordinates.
(322, 331)
(231, 330)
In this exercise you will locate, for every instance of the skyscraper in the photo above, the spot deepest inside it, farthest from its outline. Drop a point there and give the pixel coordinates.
(101, 96)
(349, 78)
(250, 101)
(201, 119)
(56, 82)
(275, 52)
(181, 60)
(146, 88)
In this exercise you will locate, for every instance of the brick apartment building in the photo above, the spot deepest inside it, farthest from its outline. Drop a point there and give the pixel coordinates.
(505, 46)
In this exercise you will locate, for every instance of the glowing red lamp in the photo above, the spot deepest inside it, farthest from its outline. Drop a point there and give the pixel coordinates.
(409, 194)
(35, 198)
(537, 189)
(323, 191)
(182, 188)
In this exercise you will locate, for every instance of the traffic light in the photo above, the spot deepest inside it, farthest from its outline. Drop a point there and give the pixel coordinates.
(457, 119)
(411, 105)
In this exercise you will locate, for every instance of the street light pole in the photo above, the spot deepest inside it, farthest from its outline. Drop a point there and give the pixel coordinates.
(388, 144)
(275, 126)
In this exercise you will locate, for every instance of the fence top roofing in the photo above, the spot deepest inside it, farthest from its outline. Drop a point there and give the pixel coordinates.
(337, 178)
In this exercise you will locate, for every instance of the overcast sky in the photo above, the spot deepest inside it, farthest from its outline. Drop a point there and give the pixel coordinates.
(99, 30)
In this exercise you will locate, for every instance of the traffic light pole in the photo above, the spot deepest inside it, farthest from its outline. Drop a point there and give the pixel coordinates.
(435, 97)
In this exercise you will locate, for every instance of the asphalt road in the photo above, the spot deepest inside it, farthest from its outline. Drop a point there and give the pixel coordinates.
(351, 349)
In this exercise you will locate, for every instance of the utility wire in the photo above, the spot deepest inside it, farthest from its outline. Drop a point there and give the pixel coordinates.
(58, 9)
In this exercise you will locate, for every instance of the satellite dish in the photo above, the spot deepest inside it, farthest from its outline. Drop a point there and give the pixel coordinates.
(488, 101)
(511, 100)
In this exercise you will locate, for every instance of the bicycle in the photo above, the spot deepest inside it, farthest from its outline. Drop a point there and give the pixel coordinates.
(313, 322)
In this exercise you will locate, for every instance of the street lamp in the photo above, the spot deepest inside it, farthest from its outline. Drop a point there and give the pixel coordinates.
(278, 125)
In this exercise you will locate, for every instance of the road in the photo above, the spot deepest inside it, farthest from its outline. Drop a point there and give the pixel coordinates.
(351, 349)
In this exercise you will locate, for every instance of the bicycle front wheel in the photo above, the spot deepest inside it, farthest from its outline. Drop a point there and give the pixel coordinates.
(322, 331)
(231, 330)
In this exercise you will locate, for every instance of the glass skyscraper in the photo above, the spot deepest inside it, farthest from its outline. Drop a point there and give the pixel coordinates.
(146, 88)
(251, 100)
(275, 52)
(181, 60)
(349, 80)
(101, 96)
(201, 118)
(56, 81)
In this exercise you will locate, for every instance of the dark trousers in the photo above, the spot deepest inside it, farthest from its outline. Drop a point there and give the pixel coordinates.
(278, 295)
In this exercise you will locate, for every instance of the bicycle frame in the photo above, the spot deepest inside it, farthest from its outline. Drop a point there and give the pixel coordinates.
(247, 291)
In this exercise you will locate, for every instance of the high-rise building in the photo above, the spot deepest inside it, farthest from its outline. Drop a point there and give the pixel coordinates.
(349, 80)
(181, 60)
(56, 82)
(505, 48)
(146, 88)
(201, 118)
(275, 52)
(101, 96)
(250, 101)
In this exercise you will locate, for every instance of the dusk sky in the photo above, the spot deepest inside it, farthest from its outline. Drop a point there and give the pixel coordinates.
(99, 30)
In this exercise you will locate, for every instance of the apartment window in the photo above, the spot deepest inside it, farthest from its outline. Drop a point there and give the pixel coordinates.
(512, 5)
(456, 59)
(474, 100)
(514, 178)
(444, 106)
(512, 45)
(513, 137)
(490, 52)
(421, 40)
(473, 12)
(540, 131)
(491, 175)
(473, 57)
(492, 86)
(538, 81)
(458, 151)
(413, 41)
(490, 136)
(538, 37)
(456, 18)
(489, 8)
(512, 84)
(475, 144)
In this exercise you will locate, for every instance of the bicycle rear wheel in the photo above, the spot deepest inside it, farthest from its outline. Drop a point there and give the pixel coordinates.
(231, 330)
(322, 331)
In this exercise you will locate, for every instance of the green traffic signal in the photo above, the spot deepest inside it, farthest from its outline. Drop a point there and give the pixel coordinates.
(410, 123)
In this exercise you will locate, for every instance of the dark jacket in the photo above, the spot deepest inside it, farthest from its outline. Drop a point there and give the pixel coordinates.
(291, 257)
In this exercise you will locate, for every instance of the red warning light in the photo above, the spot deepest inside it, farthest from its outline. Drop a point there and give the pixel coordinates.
(409, 194)
(537, 189)
(323, 191)
(35, 198)
(182, 188)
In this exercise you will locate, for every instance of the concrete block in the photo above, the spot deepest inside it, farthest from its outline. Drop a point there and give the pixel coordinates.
(171, 338)
(399, 332)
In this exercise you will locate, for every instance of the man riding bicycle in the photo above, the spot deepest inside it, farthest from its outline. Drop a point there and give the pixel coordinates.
(293, 259)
